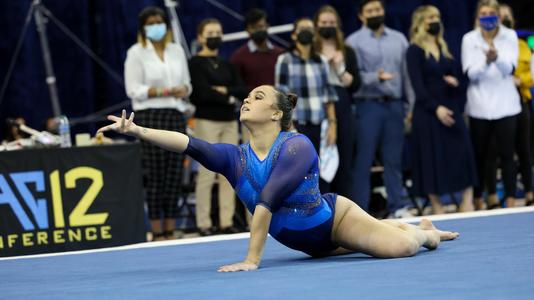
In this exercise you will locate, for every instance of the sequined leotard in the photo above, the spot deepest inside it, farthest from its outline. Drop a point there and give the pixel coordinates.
(286, 182)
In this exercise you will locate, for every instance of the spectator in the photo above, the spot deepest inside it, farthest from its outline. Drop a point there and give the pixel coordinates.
(13, 132)
(489, 57)
(255, 60)
(217, 90)
(343, 75)
(381, 53)
(304, 72)
(157, 80)
(442, 155)
(523, 81)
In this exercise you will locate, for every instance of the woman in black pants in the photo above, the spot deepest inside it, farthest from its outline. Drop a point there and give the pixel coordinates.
(523, 81)
(345, 78)
(489, 57)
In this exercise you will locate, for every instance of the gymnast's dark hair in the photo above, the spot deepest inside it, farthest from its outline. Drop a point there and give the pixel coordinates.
(286, 103)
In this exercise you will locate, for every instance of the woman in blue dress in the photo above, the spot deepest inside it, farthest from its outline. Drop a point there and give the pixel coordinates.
(442, 156)
(276, 177)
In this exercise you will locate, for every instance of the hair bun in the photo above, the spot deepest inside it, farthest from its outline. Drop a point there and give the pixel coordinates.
(293, 99)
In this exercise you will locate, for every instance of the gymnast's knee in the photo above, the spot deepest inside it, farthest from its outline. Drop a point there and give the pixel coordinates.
(404, 247)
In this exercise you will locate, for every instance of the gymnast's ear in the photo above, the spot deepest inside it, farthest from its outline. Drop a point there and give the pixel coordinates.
(277, 115)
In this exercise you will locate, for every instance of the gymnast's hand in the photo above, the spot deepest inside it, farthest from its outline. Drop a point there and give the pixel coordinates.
(242, 266)
(121, 125)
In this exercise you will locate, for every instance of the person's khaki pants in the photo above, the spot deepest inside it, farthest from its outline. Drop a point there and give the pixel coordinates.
(214, 132)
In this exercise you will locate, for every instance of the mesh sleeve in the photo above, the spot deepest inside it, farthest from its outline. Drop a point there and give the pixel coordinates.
(297, 157)
(219, 158)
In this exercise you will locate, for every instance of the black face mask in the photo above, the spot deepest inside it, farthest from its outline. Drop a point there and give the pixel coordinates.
(507, 22)
(328, 32)
(259, 36)
(434, 28)
(213, 43)
(305, 37)
(375, 22)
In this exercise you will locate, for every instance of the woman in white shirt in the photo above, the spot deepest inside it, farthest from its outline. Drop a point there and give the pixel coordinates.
(489, 57)
(157, 80)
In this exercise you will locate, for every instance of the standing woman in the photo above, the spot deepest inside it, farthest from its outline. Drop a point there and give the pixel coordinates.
(523, 82)
(489, 57)
(157, 81)
(442, 155)
(344, 76)
(216, 90)
(303, 71)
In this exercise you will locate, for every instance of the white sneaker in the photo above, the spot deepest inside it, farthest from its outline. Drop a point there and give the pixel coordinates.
(401, 213)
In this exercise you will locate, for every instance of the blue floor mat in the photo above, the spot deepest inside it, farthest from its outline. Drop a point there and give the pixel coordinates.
(492, 259)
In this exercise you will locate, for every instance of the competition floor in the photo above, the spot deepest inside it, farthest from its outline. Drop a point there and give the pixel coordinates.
(492, 259)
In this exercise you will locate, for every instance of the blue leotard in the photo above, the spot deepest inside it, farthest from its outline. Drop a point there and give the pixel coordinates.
(286, 182)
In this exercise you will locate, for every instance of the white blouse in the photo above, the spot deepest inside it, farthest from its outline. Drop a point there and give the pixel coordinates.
(144, 69)
(491, 94)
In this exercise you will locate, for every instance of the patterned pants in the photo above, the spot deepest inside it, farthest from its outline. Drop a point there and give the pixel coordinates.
(162, 169)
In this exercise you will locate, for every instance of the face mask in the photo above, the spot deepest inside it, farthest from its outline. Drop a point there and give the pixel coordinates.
(327, 32)
(434, 28)
(488, 23)
(305, 37)
(259, 36)
(155, 32)
(213, 43)
(375, 22)
(507, 22)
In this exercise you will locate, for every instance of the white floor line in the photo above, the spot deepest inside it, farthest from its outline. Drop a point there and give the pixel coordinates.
(228, 237)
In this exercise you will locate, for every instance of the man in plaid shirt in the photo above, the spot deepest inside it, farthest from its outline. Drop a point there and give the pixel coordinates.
(305, 73)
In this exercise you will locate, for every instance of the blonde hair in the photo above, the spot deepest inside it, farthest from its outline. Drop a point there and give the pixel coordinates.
(418, 32)
(481, 3)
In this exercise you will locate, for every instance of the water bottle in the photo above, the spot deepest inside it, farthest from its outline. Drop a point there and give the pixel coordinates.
(64, 131)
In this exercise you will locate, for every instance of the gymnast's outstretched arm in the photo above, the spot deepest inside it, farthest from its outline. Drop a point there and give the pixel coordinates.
(219, 158)
(169, 140)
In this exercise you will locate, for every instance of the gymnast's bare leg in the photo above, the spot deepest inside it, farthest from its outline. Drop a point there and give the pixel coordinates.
(356, 231)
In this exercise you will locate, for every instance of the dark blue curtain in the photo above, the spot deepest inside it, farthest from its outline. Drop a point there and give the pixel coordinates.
(109, 28)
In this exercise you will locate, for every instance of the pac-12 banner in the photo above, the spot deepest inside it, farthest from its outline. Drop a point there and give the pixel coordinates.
(54, 200)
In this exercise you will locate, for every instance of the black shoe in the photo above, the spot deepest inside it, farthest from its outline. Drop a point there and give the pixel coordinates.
(205, 232)
(230, 230)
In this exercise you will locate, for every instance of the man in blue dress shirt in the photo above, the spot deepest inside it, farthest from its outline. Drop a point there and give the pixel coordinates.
(380, 110)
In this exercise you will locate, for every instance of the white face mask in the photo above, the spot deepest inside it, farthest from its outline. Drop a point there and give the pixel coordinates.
(156, 32)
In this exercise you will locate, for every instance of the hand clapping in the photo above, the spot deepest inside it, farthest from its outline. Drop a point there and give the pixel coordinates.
(491, 54)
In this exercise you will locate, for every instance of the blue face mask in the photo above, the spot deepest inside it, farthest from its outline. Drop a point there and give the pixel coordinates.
(155, 32)
(488, 23)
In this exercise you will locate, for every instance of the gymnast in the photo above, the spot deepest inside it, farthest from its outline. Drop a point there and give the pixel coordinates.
(276, 176)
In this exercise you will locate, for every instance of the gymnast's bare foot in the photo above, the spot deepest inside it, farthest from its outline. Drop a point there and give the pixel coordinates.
(426, 224)
(433, 239)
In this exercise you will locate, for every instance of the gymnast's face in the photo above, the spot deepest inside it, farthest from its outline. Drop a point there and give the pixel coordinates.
(260, 107)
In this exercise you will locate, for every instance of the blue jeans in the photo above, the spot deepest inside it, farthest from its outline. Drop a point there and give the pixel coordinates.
(379, 125)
